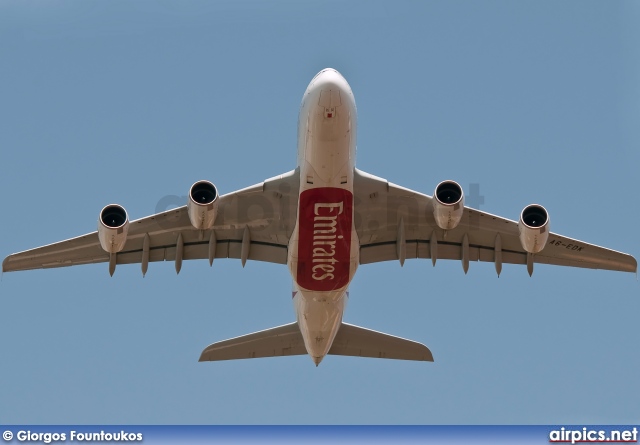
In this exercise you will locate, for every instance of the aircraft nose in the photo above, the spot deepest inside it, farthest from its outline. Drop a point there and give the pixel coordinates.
(328, 74)
(328, 79)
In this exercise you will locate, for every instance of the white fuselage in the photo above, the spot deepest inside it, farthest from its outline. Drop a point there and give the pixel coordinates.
(324, 248)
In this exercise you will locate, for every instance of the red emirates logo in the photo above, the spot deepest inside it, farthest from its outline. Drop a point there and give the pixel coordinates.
(324, 247)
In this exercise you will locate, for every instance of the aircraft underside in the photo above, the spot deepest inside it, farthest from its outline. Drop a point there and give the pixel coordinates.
(323, 220)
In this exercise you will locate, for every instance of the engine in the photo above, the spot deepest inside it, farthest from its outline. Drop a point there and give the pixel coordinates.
(448, 204)
(202, 204)
(534, 228)
(113, 225)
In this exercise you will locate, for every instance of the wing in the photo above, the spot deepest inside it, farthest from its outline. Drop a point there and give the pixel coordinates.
(261, 218)
(387, 214)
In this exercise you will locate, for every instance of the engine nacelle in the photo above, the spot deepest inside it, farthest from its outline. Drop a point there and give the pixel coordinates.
(534, 228)
(448, 204)
(113, 226)
(203, 204)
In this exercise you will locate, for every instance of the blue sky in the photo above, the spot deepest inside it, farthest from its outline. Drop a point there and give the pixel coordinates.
(132, 102)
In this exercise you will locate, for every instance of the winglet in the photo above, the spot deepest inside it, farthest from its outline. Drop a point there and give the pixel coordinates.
(6, 264)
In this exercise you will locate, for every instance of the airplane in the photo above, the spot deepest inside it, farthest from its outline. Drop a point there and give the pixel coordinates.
(323, 219)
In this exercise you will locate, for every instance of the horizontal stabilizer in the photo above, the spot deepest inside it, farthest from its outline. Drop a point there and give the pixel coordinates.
(274, 342)
(287, 340)
(360, 342)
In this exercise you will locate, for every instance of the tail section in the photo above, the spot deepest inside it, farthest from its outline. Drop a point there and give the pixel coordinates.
(274, 342)
(360, 342)
(285, 340)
